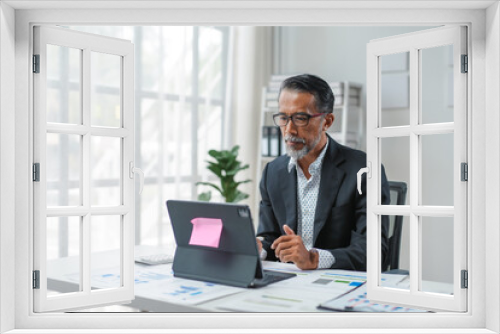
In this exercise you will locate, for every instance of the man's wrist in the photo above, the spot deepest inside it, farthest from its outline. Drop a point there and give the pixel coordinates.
(314, 258)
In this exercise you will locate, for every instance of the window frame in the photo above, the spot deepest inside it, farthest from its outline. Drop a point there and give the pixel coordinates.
(483, 101)
(414, 44)
(86, 44)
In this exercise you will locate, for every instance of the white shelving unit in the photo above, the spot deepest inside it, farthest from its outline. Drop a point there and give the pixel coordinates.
(347, 128)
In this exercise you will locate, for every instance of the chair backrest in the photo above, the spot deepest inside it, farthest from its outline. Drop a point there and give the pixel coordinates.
(398, 197)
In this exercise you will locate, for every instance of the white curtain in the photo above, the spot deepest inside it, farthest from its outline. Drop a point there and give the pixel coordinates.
(251, 66)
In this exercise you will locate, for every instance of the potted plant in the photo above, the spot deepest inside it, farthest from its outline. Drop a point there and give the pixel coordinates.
(225, 166)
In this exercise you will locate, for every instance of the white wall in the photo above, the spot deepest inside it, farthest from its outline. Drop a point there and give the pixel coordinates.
(333, 53)
(492, 161)
(7, 107)
(339, 54)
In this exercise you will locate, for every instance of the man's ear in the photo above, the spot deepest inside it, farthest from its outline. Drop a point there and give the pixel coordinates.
(329, 119)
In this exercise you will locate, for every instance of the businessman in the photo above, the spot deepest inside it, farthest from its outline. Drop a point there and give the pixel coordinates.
(311, 213)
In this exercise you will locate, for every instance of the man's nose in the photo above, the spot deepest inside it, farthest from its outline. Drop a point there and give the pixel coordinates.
(290, 127)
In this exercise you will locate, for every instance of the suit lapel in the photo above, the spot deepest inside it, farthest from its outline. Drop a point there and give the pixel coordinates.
(331, 179)
(289, 191)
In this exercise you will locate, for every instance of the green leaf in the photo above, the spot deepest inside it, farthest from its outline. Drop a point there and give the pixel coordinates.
(206, 196)
(216, 169)
(240, 196)
(225, 167)
(235, 149)
(241, 182)
(236, 170)
(214, 153)
(210, 185)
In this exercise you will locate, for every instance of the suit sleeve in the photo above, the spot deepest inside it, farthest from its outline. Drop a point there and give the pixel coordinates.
(353, 257)
(268, 228)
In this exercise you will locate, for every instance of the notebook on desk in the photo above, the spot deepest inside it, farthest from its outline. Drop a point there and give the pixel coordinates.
(216, 243)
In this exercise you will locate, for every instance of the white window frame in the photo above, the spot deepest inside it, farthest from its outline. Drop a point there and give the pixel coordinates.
(86, 43)
(413, 43)
(484, 212)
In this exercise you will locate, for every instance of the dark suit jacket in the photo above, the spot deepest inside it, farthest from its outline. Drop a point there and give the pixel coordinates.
(340, 218)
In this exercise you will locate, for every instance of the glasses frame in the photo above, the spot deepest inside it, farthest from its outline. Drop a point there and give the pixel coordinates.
(292, 117)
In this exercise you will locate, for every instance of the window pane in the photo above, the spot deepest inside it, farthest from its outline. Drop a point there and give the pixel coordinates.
(437, 84)
(156, 229)
(398, 230)
(437, 254)
(210, 63)
(209, 135)
(106, 90)
(63, 85)
(437, 169)
(178, 130)
(164, 114)
(397, 166)
(105, 245)
(395, 90)
(166, 134)
(63, 254)
(106, 169)
(63, 170)
(167, 60)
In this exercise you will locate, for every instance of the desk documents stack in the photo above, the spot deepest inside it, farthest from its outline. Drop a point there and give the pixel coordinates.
(158, 290)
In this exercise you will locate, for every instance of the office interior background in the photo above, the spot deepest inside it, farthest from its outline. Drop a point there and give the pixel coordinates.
(199, 88)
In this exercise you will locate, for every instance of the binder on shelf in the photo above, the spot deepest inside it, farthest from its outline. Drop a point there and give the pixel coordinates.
(274, 141)
(265, 141)
(282, 145)
(271, 141)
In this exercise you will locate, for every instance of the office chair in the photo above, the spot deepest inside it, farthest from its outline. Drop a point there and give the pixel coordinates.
(398, 197)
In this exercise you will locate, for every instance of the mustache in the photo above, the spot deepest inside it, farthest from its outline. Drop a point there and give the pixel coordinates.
(293, 139)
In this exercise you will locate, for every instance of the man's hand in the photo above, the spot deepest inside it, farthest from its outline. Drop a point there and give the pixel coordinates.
(290, 248)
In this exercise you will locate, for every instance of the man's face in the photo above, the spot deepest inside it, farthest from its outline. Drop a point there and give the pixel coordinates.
(300, 140)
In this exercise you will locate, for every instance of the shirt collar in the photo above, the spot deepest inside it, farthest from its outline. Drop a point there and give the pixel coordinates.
(315, 166)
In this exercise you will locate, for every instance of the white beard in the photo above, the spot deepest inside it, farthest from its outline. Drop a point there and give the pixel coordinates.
(299, 154)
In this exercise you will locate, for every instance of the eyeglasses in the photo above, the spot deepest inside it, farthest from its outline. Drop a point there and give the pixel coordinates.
(299, 119)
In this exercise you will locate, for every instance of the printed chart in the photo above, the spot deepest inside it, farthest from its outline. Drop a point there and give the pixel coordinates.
(159, 282)
(356, 301)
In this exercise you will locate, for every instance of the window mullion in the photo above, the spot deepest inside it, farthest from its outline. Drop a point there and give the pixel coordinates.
(194, 113)
(63, 163)
(415, 172)
(225, 137)
(86, 182)
(138, 123)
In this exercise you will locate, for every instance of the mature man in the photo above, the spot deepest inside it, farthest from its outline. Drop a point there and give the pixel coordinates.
(311, 213)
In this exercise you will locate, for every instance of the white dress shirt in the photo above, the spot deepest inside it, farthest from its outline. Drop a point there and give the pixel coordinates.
(307, 199)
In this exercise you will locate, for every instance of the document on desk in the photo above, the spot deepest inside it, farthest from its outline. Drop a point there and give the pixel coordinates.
(100, 278)
(356, 301)
(333, 281)
(302, 293)
(159, 282)
(273, 299)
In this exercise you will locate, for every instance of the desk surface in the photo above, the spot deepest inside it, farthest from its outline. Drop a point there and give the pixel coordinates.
(157, 290)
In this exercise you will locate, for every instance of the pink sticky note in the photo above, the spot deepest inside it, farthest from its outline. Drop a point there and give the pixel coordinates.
(206, 232)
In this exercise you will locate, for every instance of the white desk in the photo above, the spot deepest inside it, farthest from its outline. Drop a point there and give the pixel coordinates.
(157, 290)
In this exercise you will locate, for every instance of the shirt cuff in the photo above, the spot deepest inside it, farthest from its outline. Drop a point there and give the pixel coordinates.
(263, 254)
(326, 259)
